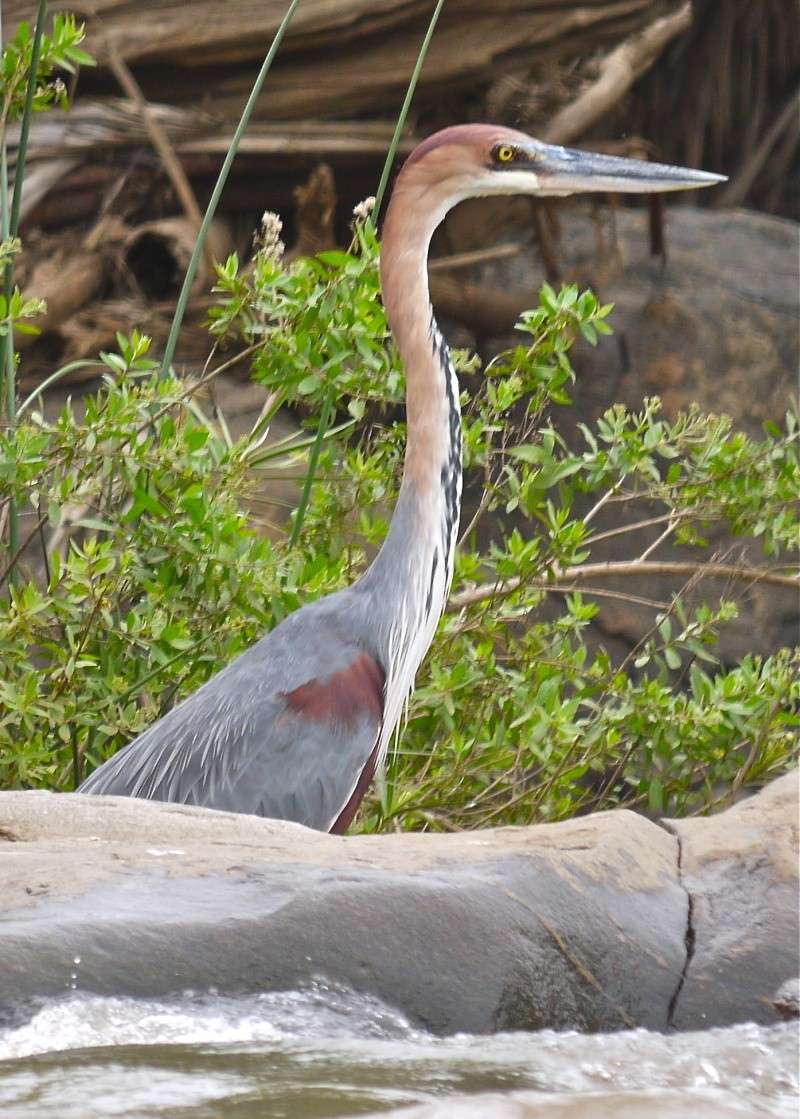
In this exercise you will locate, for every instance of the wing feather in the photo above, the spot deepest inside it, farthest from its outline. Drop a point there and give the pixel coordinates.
(270, 735)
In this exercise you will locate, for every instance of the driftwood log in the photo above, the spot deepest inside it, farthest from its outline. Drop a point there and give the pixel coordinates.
(143, 141)
(188, 68)
(710, 91)
(347, 55)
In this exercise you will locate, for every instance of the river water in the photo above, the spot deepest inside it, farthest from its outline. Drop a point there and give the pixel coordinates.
(326, 1053)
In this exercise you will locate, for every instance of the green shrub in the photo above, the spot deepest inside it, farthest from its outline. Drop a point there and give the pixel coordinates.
(158, 578)
(131, 569)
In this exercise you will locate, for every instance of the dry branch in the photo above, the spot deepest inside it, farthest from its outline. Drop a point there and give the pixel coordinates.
(205, 32)
(68, 280)
(487, 310)
(622, 569)
(316, 211)
(476, 256)
(618, 71)
(160, 141)
(737, 190)
(338, 58)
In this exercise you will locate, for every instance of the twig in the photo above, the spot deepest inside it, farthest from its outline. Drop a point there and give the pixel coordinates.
(755, 749)
(12, 563)
(621, 529)
(198, 384)
(616, 569)
(600, 592)
(43, 543)
(546, 239)
(618, 71)
(482, 506)
(598, 505)
(673, 524)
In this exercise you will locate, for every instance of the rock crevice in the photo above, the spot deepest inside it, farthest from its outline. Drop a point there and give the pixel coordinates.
(689, 937)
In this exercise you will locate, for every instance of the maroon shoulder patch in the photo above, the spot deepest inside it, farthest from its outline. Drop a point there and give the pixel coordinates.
(343, 696)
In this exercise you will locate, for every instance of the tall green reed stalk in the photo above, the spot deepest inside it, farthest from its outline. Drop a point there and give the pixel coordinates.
(9, 227)
(211, 209)
(401, 119)
(329, 410)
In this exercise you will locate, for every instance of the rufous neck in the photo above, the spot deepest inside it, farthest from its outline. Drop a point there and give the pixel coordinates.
(409, 225)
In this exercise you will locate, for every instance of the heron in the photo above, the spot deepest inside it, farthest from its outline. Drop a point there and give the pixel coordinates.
(296, 726)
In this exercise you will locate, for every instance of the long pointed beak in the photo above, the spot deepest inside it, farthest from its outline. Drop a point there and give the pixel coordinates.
(568, 171)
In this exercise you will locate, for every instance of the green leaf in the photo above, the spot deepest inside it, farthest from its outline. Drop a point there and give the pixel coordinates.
(335, 258)
(528, 452)
(309, 384)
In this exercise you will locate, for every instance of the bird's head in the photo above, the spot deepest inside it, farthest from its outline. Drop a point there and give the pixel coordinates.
(471, 160)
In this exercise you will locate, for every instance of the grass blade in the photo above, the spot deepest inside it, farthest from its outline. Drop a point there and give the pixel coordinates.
(8, 228)
(401, 120)
(54, 378)
(322, 431)
(244, 120)
(27, 114)
(328, 410)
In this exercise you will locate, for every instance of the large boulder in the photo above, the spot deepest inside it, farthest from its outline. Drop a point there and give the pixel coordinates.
(582, 924)
(713, 323)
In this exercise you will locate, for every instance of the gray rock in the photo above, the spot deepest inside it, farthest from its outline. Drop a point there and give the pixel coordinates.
(715, 325)
(575, 925)
(741, 871)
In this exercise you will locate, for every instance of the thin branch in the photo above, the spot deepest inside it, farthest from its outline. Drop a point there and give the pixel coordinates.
(482, 506)
(475, 256)
(755, 749)
(659, 540)
(192, 388)
(601, 592)
(622, 529)
(617, 569)
(43, 543)
(556, 588)
(12, 563)
(609, 495)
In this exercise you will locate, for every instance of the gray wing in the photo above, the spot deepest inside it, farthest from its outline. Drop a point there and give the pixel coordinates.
(274, 734)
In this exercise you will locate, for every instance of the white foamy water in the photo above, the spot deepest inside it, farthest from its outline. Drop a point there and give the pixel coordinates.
(86, 1021)
(325, 1053)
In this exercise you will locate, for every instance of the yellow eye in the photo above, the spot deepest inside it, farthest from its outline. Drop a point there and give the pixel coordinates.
(504, 153)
